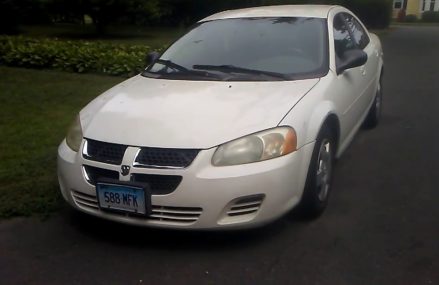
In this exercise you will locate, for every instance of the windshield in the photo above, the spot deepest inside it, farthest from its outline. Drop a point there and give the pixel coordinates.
(247, 49)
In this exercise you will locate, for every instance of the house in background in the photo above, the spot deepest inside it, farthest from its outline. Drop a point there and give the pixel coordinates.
(414, 7)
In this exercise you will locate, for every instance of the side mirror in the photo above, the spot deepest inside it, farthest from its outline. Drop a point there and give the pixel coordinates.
(152, 57)
(351, 58)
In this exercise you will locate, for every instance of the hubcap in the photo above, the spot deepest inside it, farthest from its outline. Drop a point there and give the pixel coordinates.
(324, 169)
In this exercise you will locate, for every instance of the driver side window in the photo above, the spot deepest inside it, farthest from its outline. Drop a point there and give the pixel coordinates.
(359, 34)
(342, 37)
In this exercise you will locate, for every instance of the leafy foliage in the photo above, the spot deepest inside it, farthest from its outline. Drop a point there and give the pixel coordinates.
(74, 56)
(374, 13)
(430, 16)
(410, 18)
(104, 12)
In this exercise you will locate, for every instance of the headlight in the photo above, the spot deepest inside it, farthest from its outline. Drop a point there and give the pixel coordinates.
(74, 135)
(256, 147)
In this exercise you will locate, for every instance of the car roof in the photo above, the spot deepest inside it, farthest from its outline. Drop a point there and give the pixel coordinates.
(312, 11)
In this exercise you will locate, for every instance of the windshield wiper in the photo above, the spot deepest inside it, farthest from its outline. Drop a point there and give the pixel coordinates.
(171, 64)
(181, 70)
(237, 69)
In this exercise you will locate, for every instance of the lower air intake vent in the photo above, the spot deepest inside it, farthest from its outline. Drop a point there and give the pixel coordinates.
(85, 200)
(181, 215)
(246, 205)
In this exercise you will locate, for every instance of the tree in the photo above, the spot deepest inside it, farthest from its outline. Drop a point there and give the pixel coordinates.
(13, 13)
(105, 12)
(8, 19)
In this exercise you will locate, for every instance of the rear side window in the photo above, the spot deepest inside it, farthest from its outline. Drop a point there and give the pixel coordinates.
(358, 32)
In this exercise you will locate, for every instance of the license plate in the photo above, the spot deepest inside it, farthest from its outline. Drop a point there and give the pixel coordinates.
(124, 198)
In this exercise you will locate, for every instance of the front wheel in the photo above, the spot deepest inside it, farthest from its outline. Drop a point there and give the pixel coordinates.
(318, 181)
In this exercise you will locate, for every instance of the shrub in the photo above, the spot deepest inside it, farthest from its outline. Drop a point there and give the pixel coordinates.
(374, 13)
(410, 18)
(430, 16)
(74, 56)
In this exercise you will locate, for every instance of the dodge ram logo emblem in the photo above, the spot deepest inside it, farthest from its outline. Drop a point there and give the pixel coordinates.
(124, 170)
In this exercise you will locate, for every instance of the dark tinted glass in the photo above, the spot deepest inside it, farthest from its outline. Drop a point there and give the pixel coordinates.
(342, 37)
(289, 46)
(360, 35)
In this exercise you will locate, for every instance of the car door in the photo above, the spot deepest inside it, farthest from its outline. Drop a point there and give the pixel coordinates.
(369, 70)
(350, 84)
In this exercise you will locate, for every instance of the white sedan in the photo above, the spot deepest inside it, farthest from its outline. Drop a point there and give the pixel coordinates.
(235, 124)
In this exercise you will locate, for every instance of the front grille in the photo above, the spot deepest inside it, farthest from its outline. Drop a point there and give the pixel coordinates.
(160, 214)
(245, 206)
(103, 152)
(165, 157)
(93, 174)
(159, 184)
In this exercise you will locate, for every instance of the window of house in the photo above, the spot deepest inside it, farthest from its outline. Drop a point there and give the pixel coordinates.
(424, 2)
(432, 5)
(397, 4)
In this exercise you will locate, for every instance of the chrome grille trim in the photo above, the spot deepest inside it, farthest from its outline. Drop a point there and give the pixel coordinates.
(163, 217)
(110, 153)
(242, 211)
(164, 158)
(146, 157)
(178, 210)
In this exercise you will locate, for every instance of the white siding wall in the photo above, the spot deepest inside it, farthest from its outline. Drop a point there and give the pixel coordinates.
(427, 5)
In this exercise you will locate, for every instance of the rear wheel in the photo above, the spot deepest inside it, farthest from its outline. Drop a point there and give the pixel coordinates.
(374, 115)
(318, 181)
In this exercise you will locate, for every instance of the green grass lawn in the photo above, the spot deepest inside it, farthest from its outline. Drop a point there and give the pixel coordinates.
(35, 111)
(36, 108)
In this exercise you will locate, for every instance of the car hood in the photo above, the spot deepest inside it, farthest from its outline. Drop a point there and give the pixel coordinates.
(188, 114)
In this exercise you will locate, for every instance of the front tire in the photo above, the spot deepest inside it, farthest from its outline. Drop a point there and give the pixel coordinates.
(318, 182)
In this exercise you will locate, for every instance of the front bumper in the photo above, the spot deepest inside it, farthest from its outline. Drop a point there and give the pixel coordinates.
(208, 197)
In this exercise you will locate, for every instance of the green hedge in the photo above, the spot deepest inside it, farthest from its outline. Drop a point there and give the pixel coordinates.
(410, 18)
(430, 16)
(74, 56)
